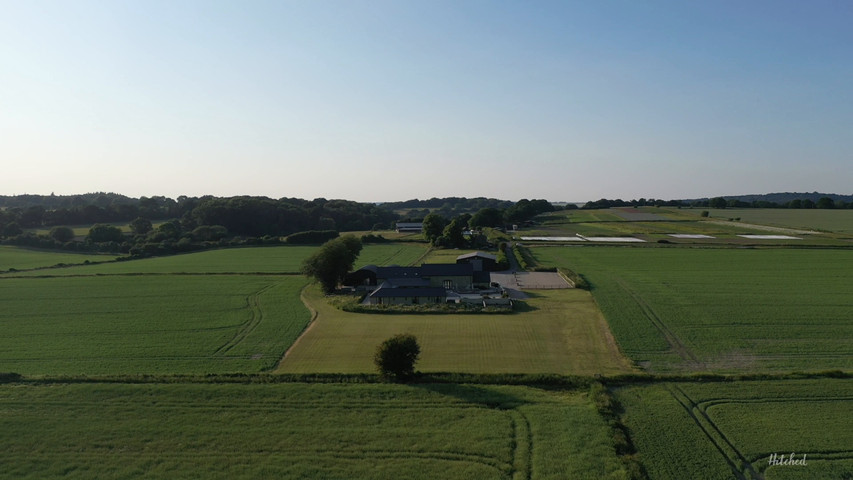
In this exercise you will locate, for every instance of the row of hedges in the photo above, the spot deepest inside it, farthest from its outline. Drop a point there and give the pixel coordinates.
(502, 261)
(577, 280)
(525, 259)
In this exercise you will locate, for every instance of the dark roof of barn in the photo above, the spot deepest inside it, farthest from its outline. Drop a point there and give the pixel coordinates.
(405, 282)
(477, 254)
(409, 292)
(447, 269)
(398, 272)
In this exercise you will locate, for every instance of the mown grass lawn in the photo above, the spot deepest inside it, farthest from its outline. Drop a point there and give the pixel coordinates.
(561, 332)
(212, 431)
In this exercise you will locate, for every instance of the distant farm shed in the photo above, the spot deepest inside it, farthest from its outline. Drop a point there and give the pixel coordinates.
(482, 262)
(408, 227)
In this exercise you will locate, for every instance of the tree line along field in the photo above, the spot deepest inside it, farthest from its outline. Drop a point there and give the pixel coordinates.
(374, 431)
(721, 310)
(730, 430)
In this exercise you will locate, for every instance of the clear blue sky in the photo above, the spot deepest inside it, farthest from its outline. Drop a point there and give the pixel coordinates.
(391, 100)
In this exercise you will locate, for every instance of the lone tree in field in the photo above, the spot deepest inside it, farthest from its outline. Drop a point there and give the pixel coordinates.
(396, 357)
(331, 263)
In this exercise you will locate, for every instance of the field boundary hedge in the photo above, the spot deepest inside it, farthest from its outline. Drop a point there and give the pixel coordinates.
(542, 380)
(575, 279)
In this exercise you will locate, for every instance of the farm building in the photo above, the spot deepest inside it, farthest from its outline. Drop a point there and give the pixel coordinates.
(429, 283)
(453, 276)
(390, 295)
(482, 262)
(409, 227)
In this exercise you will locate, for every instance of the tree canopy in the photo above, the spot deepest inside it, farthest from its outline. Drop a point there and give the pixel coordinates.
(395, 358)
(332, 261)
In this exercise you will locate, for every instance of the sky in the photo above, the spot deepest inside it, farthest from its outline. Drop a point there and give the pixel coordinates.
(393, 100)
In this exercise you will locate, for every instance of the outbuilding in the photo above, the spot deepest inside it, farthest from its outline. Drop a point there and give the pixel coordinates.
(482, 262)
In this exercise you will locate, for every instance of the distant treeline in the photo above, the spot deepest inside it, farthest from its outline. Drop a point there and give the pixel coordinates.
(187, 223)
(447, 207)
(786, 200)
(249, 216)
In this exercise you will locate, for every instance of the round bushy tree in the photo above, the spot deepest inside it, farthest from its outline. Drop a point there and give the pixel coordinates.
(330, 264)
(62, 234)
(395, 358)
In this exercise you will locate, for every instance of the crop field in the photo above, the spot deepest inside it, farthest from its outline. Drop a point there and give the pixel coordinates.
(205, 312)
(449, 255)
(391, 254)
(561, 332)
(24, 258)
(273, 260)
(724, 310)
(654, 224)
(148, 323)
(730, 430)
(840, 221)
(300, 431)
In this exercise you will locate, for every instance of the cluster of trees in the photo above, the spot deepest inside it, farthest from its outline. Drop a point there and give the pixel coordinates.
(448, 207)
(449, 232)
(192, 223)
(259, 216)
(642, 202)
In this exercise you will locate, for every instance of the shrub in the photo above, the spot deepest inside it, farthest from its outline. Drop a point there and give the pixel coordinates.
(525, 259)
(577, 279)
(395, 358)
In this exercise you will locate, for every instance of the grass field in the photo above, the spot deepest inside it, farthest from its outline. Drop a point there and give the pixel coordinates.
(193, 313)
(726, 430)
(562, 332)
(19, 258)
(148, 323)
(840, 221)
(822, 227)
(723, 310)
(275, 260)
(238, 310)
(301, 431)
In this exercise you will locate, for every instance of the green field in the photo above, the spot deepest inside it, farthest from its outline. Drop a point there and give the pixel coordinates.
(148, 323)
(840, 221)
(722, 430)
(19, 258)
(227, 431)
(245, 260)
(822, 227)
(561, 332)
(238, 310)
(724, 310)
(206, 312)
